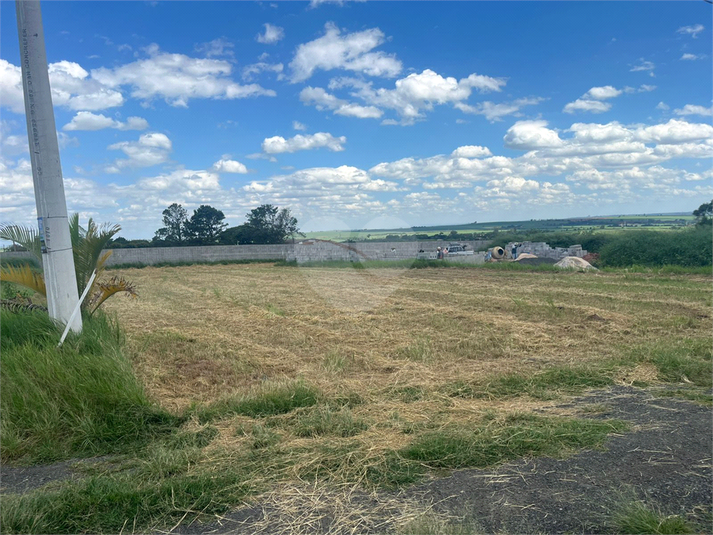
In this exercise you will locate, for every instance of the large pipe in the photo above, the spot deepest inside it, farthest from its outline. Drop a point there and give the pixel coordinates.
(57, 256)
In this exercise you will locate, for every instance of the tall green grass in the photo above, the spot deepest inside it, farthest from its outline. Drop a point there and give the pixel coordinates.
(545, 385)
(78, 400)
(636, 517)
(160, 490)
(684, 361)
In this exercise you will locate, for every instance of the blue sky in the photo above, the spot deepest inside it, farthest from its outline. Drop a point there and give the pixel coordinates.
(368, 114)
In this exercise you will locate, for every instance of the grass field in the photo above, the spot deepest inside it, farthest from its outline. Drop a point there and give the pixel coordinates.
(599, 224)
(342, 378)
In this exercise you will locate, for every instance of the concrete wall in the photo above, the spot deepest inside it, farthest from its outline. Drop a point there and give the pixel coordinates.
(306, 251)
(208, 253)
(321, 251)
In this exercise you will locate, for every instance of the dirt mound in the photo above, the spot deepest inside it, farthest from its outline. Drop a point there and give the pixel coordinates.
(574, 262)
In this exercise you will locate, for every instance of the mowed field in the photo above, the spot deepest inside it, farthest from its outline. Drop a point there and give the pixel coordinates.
(198, 333)
(355, 378)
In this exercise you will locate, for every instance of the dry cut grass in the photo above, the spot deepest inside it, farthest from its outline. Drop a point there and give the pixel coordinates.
(381, 357)
(397, 339)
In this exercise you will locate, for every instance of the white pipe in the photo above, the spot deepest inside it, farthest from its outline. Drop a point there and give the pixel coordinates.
(76, 308)
(57, 256)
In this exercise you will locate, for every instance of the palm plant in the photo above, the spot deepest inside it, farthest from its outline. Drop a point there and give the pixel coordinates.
(87, 246)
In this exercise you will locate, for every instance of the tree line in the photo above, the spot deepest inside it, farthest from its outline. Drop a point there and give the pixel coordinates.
(266, 224)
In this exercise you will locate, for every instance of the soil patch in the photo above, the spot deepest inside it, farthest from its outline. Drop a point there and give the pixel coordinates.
(664, 461)
(21, 479)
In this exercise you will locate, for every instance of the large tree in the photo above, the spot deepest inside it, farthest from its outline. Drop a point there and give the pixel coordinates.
(704, 213)
(175, 218)
(205, 225)
(265, 224)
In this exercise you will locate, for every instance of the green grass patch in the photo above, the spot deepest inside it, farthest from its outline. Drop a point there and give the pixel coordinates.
(267, 400)
(545, 385)
(426, 264)
(260, 436)
(78, 400)
(666, 269)
(431, 524)
(697, 396)
(685, 361)
(192, 439)
(157, 492)
(500, 440)
(636, 518)
(326, 420)
(420, 350)
(408, 394)
(141, 265)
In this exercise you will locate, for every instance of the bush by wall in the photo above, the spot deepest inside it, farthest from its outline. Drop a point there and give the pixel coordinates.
(688, 247)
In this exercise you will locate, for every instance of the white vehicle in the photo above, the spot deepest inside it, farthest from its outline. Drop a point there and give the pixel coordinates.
(457, 249)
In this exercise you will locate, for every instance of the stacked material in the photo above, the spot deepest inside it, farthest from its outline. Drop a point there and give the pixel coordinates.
(574, 262)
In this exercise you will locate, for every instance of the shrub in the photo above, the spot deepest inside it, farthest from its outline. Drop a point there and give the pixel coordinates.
(689, 247)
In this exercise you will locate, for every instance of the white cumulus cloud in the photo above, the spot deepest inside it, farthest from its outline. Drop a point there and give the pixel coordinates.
(177, 78)
(278, 144)
(86, 120)
(495, 112)
(226, 165)
(420, 92)
(603, 93)
(692, 109)
(322, 100)
(471, 151)
(271, 35)
(150, 149)
(530, 135)
(693, 30)
(352, 52)
(594, 106)
(72, 88)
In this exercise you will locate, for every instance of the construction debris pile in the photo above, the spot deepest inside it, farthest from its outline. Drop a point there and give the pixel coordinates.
(535, 253)
(542, 250)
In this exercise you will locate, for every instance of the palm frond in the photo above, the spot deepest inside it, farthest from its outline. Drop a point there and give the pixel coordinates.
(108, 288)
(75, 231)
(88, 248)
(25, 276)
(27, 237)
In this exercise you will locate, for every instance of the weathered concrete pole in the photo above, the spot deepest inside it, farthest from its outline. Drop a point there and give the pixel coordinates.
(57, 257)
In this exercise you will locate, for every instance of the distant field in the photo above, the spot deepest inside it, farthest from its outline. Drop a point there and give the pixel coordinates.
(609, 223)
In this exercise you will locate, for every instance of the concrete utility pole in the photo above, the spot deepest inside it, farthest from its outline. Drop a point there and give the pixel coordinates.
(57, 257)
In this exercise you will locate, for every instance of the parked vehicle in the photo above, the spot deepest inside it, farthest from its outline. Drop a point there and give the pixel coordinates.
(458, 249)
